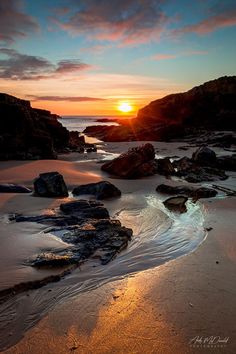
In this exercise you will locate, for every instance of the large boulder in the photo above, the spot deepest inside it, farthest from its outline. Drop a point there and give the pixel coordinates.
(50, 184)
(137, 162)
(204, 156)
(13, 188)
(100, 190)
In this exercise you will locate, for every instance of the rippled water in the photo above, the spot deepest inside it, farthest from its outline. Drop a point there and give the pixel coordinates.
(159, 236)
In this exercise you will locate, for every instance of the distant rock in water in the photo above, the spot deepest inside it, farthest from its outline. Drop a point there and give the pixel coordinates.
(136, 162)
(28, 133)
(50, 184)
(211, 106)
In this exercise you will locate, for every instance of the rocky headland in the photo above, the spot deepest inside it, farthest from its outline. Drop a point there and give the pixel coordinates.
(28, 133)
(206, 108)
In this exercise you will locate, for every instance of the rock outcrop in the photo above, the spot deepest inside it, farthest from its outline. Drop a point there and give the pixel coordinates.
(136, 162)
(195, 193)
(211, 106)
(29, 133)
(87, 228)
(140, 161)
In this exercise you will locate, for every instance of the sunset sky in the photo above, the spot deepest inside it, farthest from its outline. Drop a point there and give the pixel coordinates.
(85, 57)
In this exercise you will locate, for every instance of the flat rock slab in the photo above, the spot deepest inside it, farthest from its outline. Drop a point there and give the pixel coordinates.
(85, 209)
(13, 188)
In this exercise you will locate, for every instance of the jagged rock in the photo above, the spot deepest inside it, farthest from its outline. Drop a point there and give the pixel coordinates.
(195, 193)
(92, 232)
(204, 156)
(100, 190)
(50, 184)
(207, 174)
(28, 133)
(176, 204)
(13, 188)
(130, 164)
(193, 172)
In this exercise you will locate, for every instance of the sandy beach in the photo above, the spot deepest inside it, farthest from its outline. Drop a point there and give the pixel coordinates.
(117, 177)
(148, 308)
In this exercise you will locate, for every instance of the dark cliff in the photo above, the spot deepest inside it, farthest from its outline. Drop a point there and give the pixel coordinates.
(29, 133)
(211, 106)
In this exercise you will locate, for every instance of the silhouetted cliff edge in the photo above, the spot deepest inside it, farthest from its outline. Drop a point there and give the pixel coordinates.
(211, 106)
(30, 133)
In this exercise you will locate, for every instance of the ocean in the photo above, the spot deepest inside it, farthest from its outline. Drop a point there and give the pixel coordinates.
(79, 123)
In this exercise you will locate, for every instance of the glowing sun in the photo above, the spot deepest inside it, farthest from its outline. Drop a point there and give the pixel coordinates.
(125, 107)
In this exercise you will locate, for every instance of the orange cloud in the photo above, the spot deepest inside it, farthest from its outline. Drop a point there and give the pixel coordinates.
(110, 88)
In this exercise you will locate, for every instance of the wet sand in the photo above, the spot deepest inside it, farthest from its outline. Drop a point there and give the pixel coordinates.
(159, 310)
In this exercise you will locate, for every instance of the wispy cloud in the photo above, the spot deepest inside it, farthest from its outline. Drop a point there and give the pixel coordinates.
(99, 48)
(127, 21)
(210, 24)
(17, 66)
(163, 56)
(14, 23)
(64, 98)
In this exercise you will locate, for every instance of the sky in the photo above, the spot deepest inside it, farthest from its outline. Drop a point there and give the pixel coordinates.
(86, 57)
